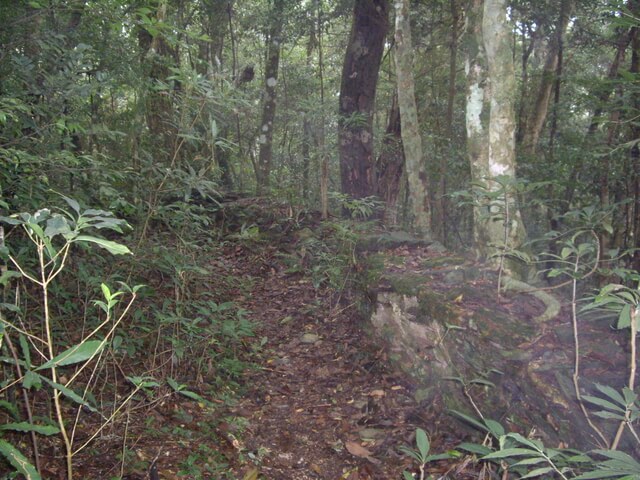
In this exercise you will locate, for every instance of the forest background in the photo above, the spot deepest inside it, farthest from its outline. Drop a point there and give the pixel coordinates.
(154, 111)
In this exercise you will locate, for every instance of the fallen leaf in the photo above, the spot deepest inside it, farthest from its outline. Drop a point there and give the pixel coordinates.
(354, 448)
(376, 393)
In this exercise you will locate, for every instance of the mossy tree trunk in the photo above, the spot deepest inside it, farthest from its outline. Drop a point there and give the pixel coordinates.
(498, 225)
(477, 114)
(411, 139)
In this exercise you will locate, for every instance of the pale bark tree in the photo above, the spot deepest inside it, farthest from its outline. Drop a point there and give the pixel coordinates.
(491, 92)
(477, 115)
(411, 139)
(272, 63)
(357, 96)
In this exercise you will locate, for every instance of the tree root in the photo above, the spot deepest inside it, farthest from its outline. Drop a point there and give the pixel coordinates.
(551, 303)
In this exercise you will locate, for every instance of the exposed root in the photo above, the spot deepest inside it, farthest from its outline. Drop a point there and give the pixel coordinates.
(552, 305)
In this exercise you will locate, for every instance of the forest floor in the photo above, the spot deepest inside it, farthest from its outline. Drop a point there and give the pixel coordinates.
(322, 402)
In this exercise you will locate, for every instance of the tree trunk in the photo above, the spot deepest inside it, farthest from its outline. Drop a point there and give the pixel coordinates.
(540, 108)
(505, 230)
(391, 165)
(357, 96)
(477, 117)
(440, 221)
(411, 139)
(159, 55)
(265, 138)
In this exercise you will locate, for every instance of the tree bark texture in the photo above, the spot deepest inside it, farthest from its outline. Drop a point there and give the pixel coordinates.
(159, 56)
(540, 108)
(497, 227)
(411, 139)
(390, 165)
(357, 96)
(509, 230)
(272, 63)
(477, 115)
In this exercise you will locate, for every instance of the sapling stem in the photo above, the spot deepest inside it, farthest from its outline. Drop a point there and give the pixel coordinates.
(632, 380)
(576, 349)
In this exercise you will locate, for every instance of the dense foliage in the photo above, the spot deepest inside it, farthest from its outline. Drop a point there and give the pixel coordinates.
(126, 123)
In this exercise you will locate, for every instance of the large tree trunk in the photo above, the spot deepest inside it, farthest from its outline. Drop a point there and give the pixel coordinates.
(265, 138)
(357, 96)
(411, 139)
(477, 115)
(496, 228)
(540, 108)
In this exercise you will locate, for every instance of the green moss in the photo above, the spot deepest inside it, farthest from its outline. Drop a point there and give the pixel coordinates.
(442, 262)
(434, 306)
(409, 284)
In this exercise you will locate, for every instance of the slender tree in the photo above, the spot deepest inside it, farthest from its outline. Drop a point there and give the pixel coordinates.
(390, 165)
(272, 62)
(539, 109)
(411, 139)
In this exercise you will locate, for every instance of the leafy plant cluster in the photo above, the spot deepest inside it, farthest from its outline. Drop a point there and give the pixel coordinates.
(575, 258)
(75, 349)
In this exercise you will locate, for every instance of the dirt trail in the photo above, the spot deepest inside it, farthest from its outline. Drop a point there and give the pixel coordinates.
(325, 404)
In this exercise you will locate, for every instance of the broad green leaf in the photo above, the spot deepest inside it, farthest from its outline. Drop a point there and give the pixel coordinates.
(19, 461)
(10, 307)
(600, 474)
(57, 225)
(538, 472)
(475, 448)
(536, 445)
(76, 354)
(192, 395)
(412, 453)
(173, 384)
(619, 455)
(529, 461)
(26, 351)
(422, 441)
(624, 319)
(511, 452)
(610, 415)
(105, 291)
(439, 456)
(72, 203)
(407, 476)
(630, 396)
(7, 276)
(603, 403)
(566, 253)
(11, 221)
(493, 427)
(11, 408)
(113, 247)
(475, 423)
(29, 427)
(70, 394)
(612, 393)
(31, 379)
